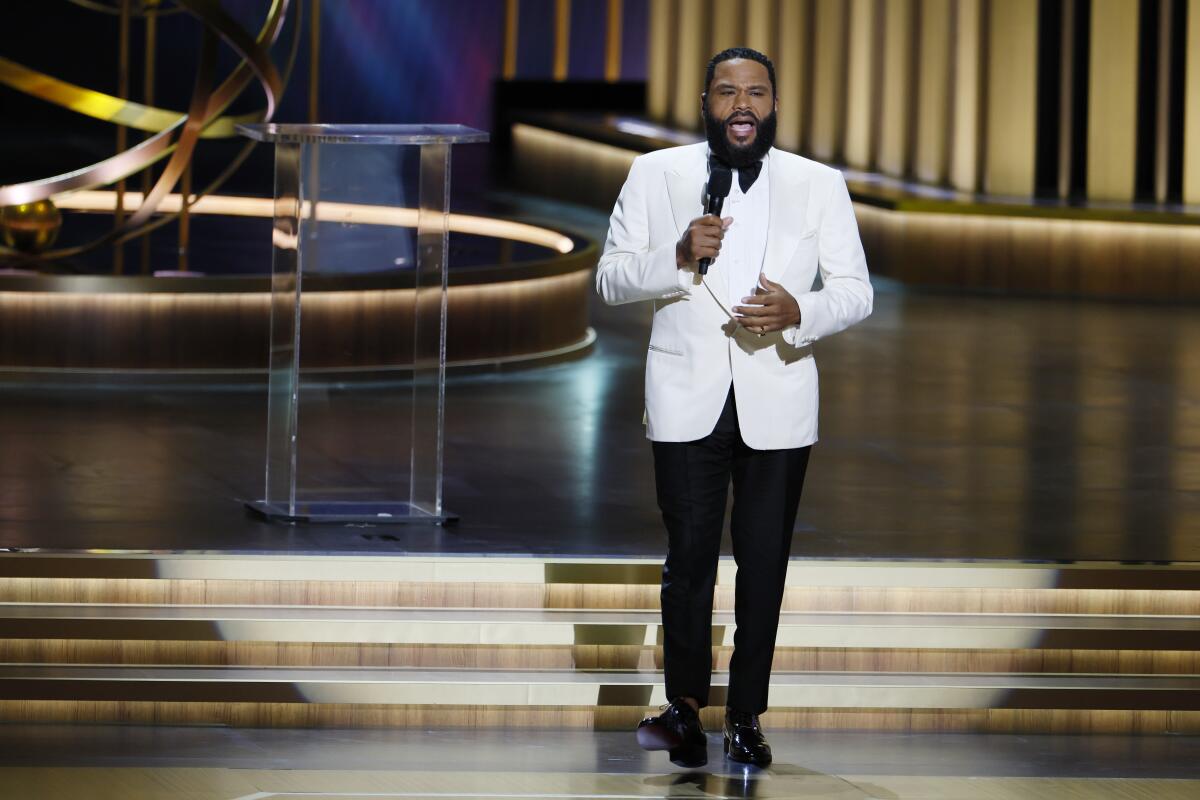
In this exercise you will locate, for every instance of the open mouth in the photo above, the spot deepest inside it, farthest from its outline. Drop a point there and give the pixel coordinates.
(742, 127)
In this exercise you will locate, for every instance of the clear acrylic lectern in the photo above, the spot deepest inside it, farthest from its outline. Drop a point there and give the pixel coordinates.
(354, 202)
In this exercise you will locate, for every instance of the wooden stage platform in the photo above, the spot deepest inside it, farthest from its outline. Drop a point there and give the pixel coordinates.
(1001, 532)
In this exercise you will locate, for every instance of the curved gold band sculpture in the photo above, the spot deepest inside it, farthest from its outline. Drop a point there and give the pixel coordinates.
(147, 9)
(176, 134)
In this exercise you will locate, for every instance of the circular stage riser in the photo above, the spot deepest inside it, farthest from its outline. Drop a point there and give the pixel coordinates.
(358, 329)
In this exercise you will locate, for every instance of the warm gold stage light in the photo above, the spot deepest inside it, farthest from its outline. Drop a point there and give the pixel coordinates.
(30, 227)
(352, 213)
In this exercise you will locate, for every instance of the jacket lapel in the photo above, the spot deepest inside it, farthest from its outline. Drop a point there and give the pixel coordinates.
(786, 220)
(687, 197)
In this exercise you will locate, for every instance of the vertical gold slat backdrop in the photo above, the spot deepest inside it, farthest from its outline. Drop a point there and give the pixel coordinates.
(933, 96)
(562, 39)
(613, 41)
(690, 59)
(660, 61)
(862, 89)
(728, 23)
(512, 13)
(898, 83)
(829, 80)
(1191, 127)
(792, 73)
(967, 95)
(942, 90)
(761, 26)
(1011, 97)
(1112, 100)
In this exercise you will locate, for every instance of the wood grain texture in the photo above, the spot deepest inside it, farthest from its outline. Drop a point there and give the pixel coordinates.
(315, 715)
(585, 657)
(580, 596)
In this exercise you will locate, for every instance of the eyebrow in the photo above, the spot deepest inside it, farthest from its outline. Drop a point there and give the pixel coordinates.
(730, 85)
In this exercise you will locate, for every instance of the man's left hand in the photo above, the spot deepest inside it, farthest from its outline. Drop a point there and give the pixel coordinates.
(774, 308)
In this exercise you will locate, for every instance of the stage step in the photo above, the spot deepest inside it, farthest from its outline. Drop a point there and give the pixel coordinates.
(478, 641)
(611, 584)
(286, 568)
(586, 627)
(572, 688)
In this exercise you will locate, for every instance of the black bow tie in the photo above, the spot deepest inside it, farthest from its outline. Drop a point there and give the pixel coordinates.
(746, 175)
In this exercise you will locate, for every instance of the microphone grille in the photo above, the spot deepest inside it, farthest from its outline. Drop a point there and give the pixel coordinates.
(720, 180)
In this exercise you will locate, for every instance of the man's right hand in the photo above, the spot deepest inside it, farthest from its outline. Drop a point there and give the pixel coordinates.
(702, 239)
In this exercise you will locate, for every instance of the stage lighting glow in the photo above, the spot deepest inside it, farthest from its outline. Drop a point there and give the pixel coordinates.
(362, 214)
(640, 127)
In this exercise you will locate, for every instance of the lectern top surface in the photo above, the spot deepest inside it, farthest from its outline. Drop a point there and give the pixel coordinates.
(363, 134)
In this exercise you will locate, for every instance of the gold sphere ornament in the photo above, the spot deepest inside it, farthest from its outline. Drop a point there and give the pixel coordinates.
(30, 227)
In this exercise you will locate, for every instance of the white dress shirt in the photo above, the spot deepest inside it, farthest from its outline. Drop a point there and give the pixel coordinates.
(745, 243)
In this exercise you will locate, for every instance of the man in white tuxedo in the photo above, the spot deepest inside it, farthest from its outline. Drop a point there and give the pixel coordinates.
(731, 385)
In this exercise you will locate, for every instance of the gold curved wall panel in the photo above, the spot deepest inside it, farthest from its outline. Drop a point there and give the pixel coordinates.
(1073, 257)
(228, 330)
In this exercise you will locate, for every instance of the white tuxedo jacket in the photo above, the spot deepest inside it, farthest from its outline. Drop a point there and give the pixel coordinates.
(696, 347)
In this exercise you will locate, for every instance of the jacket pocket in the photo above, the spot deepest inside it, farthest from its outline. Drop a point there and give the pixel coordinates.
(656, 348)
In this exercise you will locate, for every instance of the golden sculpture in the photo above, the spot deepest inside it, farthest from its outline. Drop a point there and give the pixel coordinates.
(30, 227)
(173, 135)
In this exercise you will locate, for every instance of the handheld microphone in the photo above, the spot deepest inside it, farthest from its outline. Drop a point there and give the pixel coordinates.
(720, 181)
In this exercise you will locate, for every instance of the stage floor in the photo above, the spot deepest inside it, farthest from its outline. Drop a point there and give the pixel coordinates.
(952, 427)
(57, 761)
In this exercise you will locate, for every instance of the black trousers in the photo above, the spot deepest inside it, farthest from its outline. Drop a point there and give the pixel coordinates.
(692, 480)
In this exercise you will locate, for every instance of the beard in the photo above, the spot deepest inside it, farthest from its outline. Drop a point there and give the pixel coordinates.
(739, 156)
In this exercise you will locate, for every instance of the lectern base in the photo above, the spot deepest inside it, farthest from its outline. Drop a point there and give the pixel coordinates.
(342, 512)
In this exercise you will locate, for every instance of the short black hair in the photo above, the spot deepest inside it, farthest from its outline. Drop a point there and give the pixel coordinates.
(731, 53)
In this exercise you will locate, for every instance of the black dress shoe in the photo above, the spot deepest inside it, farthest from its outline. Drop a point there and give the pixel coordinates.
(677, 730)
(744, 740)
